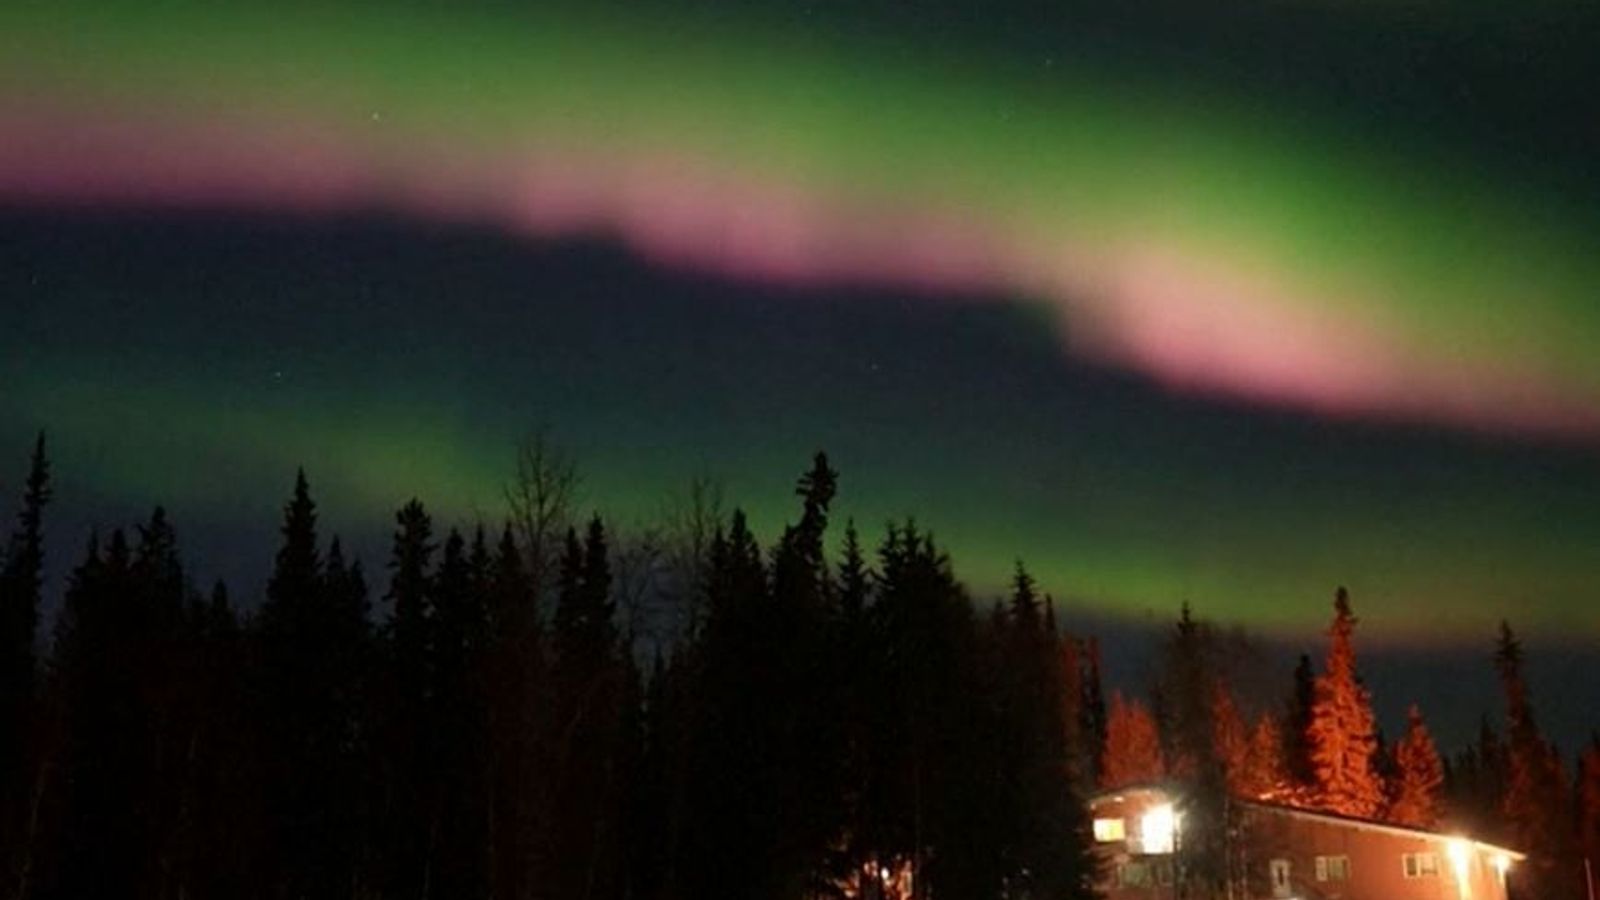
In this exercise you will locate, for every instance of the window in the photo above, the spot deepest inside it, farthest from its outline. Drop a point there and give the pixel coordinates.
(1145, 873)
(1106, 830)
(1278, 869)
(1158, 829)
(1420, 865)
(1333, 868)
(1135, 874)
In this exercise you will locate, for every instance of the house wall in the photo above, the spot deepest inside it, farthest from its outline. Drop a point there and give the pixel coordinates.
(1376, 861)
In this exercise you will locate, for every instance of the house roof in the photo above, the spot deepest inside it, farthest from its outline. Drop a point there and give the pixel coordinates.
(1313, 816)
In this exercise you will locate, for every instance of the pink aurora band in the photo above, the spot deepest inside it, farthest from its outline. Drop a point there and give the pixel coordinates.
(1190, 318)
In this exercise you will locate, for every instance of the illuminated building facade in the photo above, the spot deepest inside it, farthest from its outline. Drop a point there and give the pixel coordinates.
(1281, 852)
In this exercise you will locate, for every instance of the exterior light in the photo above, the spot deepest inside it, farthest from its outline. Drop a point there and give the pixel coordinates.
(1158, 829)
(1460, 853)
(1502, 863)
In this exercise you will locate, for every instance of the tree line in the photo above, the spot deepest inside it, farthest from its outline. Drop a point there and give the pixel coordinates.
(547, 708)
(484, 718)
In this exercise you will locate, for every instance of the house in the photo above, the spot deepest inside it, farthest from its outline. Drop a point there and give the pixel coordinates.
(1276, 851)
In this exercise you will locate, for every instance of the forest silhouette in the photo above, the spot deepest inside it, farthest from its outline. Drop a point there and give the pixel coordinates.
(536, 708)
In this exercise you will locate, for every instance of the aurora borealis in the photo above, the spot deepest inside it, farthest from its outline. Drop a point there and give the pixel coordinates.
(1161, 323)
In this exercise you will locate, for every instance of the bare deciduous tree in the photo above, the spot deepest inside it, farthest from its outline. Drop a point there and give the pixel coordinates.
(541, 498)
(689, 522)
(638, 563)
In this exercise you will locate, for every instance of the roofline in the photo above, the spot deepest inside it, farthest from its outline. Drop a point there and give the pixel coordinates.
(1135, 788)
(1373, 825)
(1312, 815)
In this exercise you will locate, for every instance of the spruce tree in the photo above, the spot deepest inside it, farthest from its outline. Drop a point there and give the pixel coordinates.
(1093, 723)
(586, 761)
(518, 713)
(410, 585)
(855, 671)
(1133, 745)
(21, 577)
(1535, 803)
(1342, 731)
(854, 577)
(100, 841)
(457, 718)
(1297, 742)
(1266, 776)
(312, 640)
(406, 855)
(807, 667)
(1184, 710)
(1419, 776)
(298, 566)
(1077, 754)
(1231, 738)
(1048, 845)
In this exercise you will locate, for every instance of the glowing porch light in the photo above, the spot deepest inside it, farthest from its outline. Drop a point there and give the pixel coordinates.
(1502, 863)
(1158, 829)
(1460, 854)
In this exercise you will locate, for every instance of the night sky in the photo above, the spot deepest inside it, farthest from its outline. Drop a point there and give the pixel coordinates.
(1171, 306)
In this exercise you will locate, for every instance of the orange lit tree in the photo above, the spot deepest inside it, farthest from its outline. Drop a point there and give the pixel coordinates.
(1420, 774)
(1342, 732)
(1133, 746)
(1230, 738)
(1265, 775)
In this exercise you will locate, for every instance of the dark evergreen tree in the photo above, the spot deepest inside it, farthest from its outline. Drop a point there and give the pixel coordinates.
(807, 667)
(518, 715)
(585, 834)
(939, 740)
(1093, 712)
(1078, 754)
(99, 836)
(1297, 749)
(1048, 846)
(21, 578)
(1536, 803)
(731, 836)
(1474, 785)
(855, 578)
(312, 633)
(849, 854)
(457, 721)
(407, 852)
(1188, 681)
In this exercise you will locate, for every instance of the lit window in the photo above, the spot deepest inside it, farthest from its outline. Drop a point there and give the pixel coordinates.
(1420, 865)
(1157, 829)
(1106, 830)
(1333, 868)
